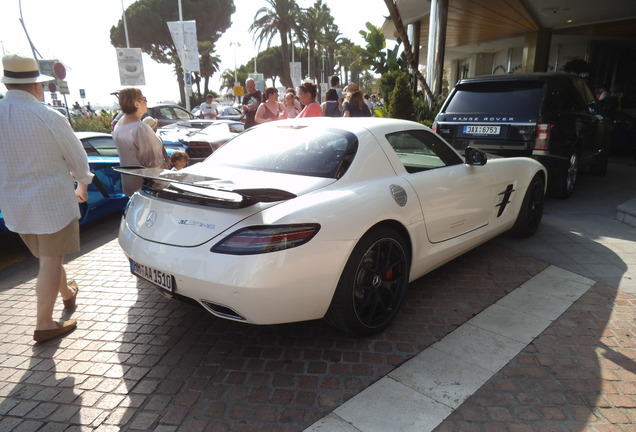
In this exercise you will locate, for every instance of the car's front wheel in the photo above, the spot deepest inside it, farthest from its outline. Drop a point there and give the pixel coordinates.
(373, 284)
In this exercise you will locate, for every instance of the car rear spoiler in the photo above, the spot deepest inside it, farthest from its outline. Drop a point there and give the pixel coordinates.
(221, 191)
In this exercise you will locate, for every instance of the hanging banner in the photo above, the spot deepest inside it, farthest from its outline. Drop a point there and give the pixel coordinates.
(296, 73)
(188, 50)
(131, 68)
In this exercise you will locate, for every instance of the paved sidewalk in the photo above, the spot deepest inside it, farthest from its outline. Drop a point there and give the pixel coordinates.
(140, 362)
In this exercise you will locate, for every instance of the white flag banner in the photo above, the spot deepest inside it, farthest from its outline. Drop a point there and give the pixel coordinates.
(296, 73)
(131, 68)
(188, 51)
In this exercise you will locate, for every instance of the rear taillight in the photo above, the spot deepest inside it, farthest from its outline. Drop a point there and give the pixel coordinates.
(264, 239)
(434, 126)
(542, 141)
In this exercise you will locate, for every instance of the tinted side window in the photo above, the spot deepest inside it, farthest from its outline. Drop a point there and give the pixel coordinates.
(421, 150)
(104, 146)
(182, 114)
(502, 97)
(588, 96)
(563, 96)
(90, 150)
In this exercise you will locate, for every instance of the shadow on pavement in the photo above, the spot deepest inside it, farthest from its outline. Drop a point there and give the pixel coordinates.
(17, 265)
(200, 372)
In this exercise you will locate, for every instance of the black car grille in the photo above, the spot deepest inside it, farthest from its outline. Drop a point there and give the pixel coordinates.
(198, 151)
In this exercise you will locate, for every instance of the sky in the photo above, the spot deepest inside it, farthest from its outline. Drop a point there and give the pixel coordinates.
(77, 33)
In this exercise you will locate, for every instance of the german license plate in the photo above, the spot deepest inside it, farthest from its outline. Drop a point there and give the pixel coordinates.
(157, 277)
(482, 130)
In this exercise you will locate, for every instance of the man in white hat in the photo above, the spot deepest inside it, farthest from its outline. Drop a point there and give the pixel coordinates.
(42, 158)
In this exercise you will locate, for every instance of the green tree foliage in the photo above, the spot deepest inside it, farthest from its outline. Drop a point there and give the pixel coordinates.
(577, 65)
(401, 104)
(313, 22)
(148, 29)
(269, 65)
(95, 123)
(209, 65)
(387, 83)
(227, 77)
(377, 57)
(268, 62)
(332, 40)
(347, 56)
(373, 54)
(279, 19)
(367, 82)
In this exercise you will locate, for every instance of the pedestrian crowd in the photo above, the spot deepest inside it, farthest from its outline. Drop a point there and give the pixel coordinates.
(338, 102)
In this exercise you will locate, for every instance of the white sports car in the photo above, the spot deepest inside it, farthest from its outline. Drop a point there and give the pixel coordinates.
(309, 218)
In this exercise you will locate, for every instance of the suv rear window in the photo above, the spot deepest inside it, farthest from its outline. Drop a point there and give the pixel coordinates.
(503, 97)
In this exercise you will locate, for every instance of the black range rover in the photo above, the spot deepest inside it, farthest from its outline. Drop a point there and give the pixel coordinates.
(551, 117)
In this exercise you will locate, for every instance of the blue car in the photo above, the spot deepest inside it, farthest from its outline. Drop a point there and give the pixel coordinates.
(105, 195)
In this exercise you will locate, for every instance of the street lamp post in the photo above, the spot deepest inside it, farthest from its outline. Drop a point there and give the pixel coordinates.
(236, 83)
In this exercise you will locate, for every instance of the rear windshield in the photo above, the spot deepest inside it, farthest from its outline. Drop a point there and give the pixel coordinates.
(300, 150)
(502, 97)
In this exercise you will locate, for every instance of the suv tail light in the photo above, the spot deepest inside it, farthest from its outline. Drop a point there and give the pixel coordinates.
(434, 126)
(542, 141)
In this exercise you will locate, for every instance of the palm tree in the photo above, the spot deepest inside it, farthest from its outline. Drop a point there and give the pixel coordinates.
(347, 57)
(208, 63)
(332, 40)
(281, 19)
(313, 21)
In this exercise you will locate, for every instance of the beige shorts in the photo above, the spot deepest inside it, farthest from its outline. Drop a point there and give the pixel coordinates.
(65, 241)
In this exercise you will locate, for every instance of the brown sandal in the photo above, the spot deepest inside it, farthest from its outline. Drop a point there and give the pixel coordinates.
(70, 303)
(62, 329)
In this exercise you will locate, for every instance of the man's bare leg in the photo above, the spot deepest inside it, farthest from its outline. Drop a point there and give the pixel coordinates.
(64, 290)
(46, 289)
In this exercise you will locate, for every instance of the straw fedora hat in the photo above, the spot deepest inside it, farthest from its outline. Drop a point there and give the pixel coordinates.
(19, 69)
(351, 89)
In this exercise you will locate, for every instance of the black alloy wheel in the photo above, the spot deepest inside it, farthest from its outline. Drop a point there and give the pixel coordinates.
(531, 210)
(561, 181)
(372, 287)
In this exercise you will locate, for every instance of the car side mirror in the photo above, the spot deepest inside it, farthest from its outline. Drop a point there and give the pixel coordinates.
(475, 156)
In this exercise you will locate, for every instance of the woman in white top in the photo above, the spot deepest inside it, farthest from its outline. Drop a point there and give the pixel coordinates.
(290, 105)
(136, 142)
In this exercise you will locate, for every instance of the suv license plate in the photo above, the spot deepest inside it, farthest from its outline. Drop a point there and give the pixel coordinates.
(482, 130)
(154, 276)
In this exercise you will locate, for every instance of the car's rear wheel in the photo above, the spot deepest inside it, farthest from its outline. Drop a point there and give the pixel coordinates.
(561, 181)
(372, 286)
(531, 210)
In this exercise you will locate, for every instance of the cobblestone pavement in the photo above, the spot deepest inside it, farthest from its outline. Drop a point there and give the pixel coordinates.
(578, 375)
(139, 361)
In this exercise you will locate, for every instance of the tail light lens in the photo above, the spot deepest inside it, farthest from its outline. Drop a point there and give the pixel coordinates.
(265, 239)
(542, 141)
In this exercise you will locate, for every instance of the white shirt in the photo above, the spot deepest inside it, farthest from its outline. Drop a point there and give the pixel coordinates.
(208, 108)
(40, 158)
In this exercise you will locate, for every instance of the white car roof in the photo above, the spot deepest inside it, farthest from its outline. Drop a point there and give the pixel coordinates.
(351, 124)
